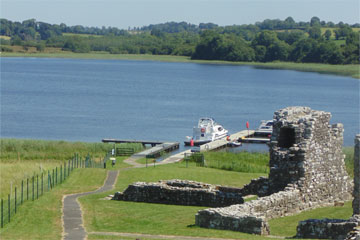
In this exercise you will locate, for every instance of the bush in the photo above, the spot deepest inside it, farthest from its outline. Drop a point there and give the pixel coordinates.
(6, 49)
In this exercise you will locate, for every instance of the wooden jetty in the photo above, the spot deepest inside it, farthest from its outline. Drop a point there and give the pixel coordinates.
(224, 141)
(157, 150)
(143, 142)
(254, 140)
(209, 146)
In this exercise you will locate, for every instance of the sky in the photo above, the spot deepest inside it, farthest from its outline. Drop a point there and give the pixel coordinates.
(137, 13)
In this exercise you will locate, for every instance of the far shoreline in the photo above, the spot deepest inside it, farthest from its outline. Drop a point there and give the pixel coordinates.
(351, 70)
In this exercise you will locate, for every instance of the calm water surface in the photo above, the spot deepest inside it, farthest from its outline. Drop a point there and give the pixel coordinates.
(87, 100)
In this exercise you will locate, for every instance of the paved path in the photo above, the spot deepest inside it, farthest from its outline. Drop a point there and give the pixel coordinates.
(72, 215)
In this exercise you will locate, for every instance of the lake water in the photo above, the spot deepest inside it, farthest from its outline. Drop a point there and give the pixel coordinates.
(87, 100)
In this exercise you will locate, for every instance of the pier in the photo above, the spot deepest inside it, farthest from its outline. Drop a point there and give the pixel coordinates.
(156, 151)
(254, 140)
(224, 141)
(143, 142)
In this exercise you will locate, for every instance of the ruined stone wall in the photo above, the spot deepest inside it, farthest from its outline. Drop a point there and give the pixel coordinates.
(307, 170)
(325, 228)
(337, 228)
(356, 193)
(180, 192)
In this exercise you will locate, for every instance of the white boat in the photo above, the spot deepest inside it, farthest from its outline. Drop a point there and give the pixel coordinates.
(207, 130)
(265, 129)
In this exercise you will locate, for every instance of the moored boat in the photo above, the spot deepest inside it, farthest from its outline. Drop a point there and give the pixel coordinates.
(265, 129)
(207, 130)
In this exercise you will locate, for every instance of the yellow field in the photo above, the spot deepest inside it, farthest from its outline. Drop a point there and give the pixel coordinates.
(5, 37)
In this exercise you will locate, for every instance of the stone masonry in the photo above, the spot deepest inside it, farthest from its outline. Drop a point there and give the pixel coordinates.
(337, 228)
(356, 193)
(307, 171)
(180, 192)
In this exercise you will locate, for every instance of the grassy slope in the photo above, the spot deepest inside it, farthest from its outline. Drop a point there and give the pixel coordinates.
(118, 216)
(158, 218)
(352, 70)
(41, 219)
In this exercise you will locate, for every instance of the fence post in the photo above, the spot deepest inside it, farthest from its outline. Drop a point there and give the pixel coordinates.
(15, 199)
(64, 171)
(22, 191)
(2, 213)
(9, 207)
(53, 178)
(48, 180)
(27, 189)
(42, 183)
(56, 177)
(60, 174)
(33, 187)
(37, 186)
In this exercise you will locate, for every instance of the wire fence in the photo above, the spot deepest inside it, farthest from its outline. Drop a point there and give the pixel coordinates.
(34, 187)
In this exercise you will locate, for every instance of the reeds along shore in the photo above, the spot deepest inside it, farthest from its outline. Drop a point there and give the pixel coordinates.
(349, 70)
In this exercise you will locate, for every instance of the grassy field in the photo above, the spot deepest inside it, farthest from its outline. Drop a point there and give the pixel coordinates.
(352, 70)
(41, 219)
(132, 217)
(239, 162)
(24, 158)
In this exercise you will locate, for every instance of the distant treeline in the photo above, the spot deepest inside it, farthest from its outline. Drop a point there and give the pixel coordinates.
(271, 40)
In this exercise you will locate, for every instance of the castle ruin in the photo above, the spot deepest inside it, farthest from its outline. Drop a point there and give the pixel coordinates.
(307, 171)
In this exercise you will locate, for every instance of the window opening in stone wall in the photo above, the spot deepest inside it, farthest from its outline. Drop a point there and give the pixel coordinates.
(287, 137)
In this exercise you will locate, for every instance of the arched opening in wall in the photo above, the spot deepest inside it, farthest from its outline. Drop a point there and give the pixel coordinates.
(287, 137)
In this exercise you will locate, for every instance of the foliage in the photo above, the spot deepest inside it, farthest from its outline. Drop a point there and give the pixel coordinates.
(267, 41)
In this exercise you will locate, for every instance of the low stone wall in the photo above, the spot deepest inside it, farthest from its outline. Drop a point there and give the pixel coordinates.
(326, 228)
(180, 192)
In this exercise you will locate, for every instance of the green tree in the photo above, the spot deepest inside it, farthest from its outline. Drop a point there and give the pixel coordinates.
(327, 34)
(351, 50)
(315, 32)
(315, 22)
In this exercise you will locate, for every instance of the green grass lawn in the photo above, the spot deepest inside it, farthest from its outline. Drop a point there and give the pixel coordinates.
(41, 219)
(119, 164)
(133, 217)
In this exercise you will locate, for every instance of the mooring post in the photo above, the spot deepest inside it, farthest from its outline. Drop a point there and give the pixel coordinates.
(356, 193)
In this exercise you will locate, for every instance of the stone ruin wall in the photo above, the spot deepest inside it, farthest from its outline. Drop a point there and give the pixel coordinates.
(337, 228)
(180, 192)
(307, 170)
(356, 193)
